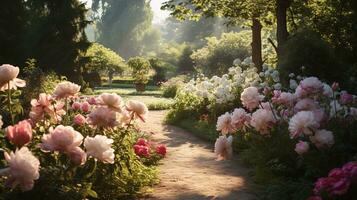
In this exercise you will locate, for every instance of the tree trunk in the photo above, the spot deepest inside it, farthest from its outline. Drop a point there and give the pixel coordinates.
(282, 30)
(257, 44)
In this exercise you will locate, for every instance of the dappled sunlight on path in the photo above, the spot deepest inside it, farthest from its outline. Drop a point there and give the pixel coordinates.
(190, 171)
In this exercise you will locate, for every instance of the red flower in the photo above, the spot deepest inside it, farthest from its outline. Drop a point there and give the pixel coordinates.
(161, 149)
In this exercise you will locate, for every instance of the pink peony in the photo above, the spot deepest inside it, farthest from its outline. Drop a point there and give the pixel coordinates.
(23, 169)
(8, 78)
(19, 134)
(85, 107)
(66, 89)
(323, 138)
(240, 119)
(224, 124)
(102, 117)
(79, 120)
(284, 98)
(251, 98)
(142, 151)
(161, 149)
(124, 117)
(262, 120)
(142, 142)
(335, 86)
(302, 147)
(43, 106)
(139, 109)
(92, 101)
(306, 104)
(112, 101)
(76, 106)
(99, 147)
(351, 169)
(346, 98)
(77, 156)
(62, 139)
(336, 184)
(302, 122)
(223, 147)
(309, 86)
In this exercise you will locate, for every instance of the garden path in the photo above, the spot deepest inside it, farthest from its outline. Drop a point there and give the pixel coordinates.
(190, 171)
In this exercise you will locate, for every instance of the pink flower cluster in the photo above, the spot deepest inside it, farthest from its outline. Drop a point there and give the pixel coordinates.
(338, 180)
(143, 148)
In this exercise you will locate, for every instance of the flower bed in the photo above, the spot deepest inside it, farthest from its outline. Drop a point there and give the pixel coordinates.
(291, 135)
(70, 146)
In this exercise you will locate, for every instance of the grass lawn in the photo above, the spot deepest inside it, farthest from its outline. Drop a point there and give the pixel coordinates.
(152, 97)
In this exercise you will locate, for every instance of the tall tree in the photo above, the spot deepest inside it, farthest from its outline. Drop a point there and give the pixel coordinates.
(122, 24)
(56, 36)
(252, 13)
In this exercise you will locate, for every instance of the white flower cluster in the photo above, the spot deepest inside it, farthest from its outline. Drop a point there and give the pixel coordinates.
(224, 89)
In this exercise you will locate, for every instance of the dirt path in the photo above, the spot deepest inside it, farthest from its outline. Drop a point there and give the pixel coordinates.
(190, 172)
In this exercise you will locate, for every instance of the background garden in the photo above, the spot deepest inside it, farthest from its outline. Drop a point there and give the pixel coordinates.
(272, 81)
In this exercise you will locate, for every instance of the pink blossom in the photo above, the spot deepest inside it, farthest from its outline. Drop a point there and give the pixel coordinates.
(335, 86)
(302, 147)
(19, 134)
(76, 106)
(99, 147)
(346, 98)
(323, 138)
(336, 184)
(79, 120)
(223, 148)
(92, 101)
(85, 107)
(102, 117)
(224, 124)
(351, 169)
(45, 105)
(138, 108)
(251, 98)
(23, 169)
(309, 86)
(77, 156)
(124, 117)
(8, 78)
(112, 101)
(161, 149)
(306, 104)
(240, 119)
(302, 122)
(142, 142)
(142, 151)
(62, 139)
(284, 98)
(66, 89)
(263, 120)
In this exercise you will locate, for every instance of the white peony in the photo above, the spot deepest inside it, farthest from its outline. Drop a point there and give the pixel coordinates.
(240, 119)
(112, 101)
(99, 147)
(138, 108)
(223, 147)
(323, 138)
(262, 120)
(303, 122)
(251, 98)
(23, 169)
(66, 89)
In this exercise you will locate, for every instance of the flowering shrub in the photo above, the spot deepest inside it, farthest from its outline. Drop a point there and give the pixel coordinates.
(294, 134)
(148, 151)
(71, 146)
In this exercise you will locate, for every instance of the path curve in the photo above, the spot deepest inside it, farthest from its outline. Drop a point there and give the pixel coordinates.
(190, 171)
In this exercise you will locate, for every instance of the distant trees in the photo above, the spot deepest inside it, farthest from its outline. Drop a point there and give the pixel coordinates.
(124, 25)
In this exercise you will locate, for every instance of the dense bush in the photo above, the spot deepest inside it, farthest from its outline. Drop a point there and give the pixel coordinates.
(44, 156)
(171, 86)
(307, 49)
(219, 53)
(140, 69)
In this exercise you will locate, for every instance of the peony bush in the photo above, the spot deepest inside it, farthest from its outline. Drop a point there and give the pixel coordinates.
(296, 134)
(71, 146)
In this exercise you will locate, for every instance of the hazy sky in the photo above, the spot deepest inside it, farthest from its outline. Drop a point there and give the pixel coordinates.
(159, 15)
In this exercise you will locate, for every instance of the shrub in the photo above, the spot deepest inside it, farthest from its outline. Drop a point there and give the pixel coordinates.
(171, 86)
(140, 69)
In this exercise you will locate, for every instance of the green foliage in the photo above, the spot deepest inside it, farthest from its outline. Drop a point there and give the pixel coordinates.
(218, 55)
(104, 60)
(171, 86)
(307, 49)
(185, 63)
(161, 69)
(140, 69)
